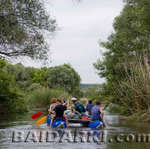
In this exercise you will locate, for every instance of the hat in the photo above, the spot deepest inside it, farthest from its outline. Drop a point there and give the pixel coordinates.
(74, 99)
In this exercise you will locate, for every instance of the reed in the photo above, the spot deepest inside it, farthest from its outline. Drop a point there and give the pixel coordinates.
(134, 91)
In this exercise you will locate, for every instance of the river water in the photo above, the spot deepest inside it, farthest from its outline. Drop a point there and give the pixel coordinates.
(116, 126)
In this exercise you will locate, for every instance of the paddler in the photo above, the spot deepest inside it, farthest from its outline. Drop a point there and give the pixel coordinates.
(78, 106)
(59, 112)
(97, 112)
(52, 107)
(89, 107)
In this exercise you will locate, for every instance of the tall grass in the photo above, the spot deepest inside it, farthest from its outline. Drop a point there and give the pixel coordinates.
(42, 97)
(134, 92)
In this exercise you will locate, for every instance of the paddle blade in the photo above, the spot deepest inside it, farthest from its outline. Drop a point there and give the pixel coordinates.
(41, 120)
(37, 115)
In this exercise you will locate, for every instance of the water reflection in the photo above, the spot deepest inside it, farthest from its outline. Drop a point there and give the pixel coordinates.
(116, 126)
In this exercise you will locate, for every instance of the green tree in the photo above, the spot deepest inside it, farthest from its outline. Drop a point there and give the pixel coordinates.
(129, 40)
(21, 26)
(64, 77)
(39, 76)
(10, 99)
(22, 75)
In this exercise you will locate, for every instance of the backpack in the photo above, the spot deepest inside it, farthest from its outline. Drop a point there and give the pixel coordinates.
(79, 107)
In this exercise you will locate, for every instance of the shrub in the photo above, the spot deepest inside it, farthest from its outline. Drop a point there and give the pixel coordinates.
(34, 86)
(114, 108)
(42, 97)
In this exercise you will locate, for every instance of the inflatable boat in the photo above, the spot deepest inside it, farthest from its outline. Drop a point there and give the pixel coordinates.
(56, 124)
(84, 123)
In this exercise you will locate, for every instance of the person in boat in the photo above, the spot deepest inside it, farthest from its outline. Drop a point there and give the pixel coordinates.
(97, 112)
(78, 106)
(52, 106)
(89, 107)
(59, 112)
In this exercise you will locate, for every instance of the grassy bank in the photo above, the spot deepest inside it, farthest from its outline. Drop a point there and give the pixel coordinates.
(136, 117)
(140, 117)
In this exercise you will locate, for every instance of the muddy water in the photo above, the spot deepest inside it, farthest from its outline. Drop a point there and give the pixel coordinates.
(118, 134)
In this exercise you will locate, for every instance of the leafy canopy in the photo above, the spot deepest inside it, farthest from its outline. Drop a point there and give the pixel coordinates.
(22, 23)
(129, 40)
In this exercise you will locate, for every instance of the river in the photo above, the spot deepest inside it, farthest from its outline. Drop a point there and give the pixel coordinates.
(116, 126)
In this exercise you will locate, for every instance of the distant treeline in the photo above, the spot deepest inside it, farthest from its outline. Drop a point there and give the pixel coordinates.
(85, 86)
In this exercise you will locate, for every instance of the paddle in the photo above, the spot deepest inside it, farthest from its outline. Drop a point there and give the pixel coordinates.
(41, 120)
(37, 115)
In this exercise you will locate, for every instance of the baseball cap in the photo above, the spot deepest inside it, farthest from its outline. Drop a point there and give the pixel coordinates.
(74, 99)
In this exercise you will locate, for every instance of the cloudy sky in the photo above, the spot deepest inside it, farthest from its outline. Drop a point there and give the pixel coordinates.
(82, 25)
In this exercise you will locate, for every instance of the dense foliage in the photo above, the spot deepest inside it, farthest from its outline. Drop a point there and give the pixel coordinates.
(126, 51)
(42, 97)
(95, 92)
(21, 85)
(10, 99)
(63, 76)
(22, 23)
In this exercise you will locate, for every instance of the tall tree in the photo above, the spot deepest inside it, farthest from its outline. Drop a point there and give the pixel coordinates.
(64, 77)
(131, 37)
(21, 25)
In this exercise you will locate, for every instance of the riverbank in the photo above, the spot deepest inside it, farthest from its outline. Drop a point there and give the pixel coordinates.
(140, 117)
(136, 117)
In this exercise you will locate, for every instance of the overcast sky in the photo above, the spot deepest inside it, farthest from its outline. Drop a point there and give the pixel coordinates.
(82, 25)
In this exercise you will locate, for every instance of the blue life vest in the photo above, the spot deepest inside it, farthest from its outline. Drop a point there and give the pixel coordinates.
(96, 113)
(79, 107)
